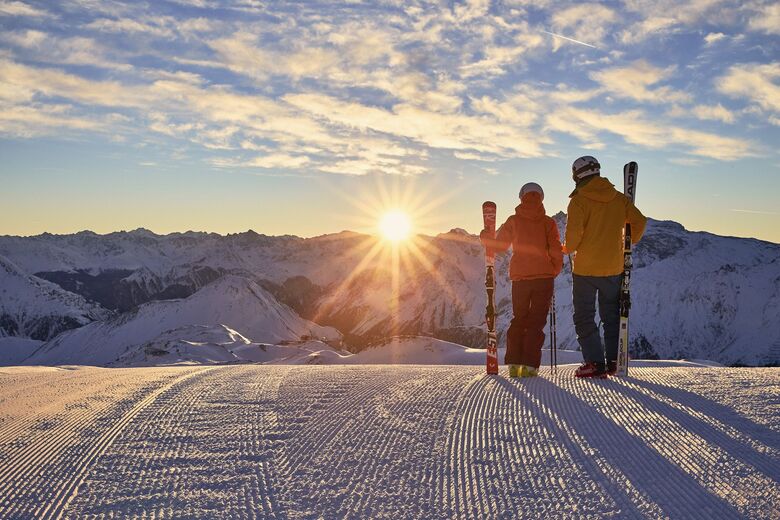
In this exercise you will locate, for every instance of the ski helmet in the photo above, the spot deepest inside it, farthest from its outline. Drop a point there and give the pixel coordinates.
(529, 187)
(585, 166)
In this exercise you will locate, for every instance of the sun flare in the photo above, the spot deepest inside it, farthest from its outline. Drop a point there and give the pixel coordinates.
(395, 226)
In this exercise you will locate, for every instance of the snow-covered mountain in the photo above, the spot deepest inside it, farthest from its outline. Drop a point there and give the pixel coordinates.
(236, 307)
(31, 307)
(695, 295)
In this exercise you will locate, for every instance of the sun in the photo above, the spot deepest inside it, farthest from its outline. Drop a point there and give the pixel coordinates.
(395, 225)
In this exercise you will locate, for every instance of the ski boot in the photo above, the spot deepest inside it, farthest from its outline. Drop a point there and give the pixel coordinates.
(527, 371)
(592, 370)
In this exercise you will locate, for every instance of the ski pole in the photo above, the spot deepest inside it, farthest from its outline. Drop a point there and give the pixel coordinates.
(554, 351)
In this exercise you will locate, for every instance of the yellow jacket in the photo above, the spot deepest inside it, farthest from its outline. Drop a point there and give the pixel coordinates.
(594, 227)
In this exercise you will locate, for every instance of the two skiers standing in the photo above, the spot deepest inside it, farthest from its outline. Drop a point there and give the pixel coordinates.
(596, 216)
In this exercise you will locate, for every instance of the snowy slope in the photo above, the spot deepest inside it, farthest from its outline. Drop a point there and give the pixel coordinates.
(235, 302)
(14, 350)
(34, 308)
(253, 441)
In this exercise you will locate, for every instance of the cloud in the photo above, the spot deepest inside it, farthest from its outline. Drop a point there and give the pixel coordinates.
(634, 127)
(77, 50)
(131, 26)
(755, 82)
(279, 160)
(21, 9)
(767, 20)
(589, 22)
(55, 83)
(661, 17)
(446, 131)
(713, 38)
(38, 120)
(634, 82)
(714, 113)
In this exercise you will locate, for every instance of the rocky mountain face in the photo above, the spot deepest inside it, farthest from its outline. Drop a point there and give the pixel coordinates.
(695, 295)
(31, 307)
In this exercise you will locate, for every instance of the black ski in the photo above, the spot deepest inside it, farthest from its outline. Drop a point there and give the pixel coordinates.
(630, 171)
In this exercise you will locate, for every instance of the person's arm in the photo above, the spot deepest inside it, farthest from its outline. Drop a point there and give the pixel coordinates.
(554, 247)
(575, 227)
(637, 220)
(503, 237)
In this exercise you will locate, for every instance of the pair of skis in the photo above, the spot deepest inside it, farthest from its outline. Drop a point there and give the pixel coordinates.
(630, 172)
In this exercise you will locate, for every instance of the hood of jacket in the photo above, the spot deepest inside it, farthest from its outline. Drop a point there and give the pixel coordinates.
(596, 188)
(530, 207)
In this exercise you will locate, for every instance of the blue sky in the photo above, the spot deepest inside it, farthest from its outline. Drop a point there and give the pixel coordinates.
(307, 117)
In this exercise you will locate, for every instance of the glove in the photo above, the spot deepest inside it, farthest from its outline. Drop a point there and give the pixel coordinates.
(485, 236)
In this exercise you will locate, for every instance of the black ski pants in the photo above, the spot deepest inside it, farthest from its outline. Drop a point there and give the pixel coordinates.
(530, 305)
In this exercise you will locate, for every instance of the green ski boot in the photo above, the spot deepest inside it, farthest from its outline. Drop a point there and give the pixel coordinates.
(528, 371)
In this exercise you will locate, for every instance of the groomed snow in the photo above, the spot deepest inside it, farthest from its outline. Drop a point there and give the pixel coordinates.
(675, 440)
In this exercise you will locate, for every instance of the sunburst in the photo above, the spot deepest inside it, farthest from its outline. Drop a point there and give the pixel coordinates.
(396, 216)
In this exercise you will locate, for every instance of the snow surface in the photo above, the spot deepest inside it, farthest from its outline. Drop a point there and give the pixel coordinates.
(252, 441)
(14, 350)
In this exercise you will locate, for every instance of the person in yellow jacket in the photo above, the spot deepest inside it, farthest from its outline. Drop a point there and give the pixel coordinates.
(596, 216)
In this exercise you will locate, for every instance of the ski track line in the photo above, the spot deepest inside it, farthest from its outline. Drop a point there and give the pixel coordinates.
(753, 493)
(463, 449)
(575, 425)
(329, 415)
(676, 491)
(33, 456)
(65, 494)
(401, 444)
(660, 381)
(210, 443)
(43, 407)
(377, 452)
(703, 463)
(764, 458)
(501, 441)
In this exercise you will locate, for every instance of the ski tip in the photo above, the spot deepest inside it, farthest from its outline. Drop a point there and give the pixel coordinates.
(488, 204)
(631, 167)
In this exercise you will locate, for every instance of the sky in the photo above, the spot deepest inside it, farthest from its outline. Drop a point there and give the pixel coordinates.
(313, 117)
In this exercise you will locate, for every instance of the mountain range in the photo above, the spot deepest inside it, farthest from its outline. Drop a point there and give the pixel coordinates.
(695, 295)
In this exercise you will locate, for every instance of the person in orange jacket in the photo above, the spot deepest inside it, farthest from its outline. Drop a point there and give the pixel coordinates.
(537, 258)
(596, 216)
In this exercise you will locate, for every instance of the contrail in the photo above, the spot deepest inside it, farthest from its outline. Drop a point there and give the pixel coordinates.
(570, 39)
(755, 212)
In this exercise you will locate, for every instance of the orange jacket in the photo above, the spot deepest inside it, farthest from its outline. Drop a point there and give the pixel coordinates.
(535, 242)
(596, 216)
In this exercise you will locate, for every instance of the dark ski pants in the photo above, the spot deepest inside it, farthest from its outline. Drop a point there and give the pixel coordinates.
(530, 305)
(585, 292)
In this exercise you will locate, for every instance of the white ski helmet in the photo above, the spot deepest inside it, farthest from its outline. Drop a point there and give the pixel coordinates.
(529, 187)
(585, 166)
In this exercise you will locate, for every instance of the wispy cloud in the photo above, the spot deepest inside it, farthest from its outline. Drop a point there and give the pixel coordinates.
(584, 22)
(21, 9)
(638, 81)
(767, 19)
(754, 82)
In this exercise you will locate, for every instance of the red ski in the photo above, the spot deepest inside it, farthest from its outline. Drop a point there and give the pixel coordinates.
(489, 219)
